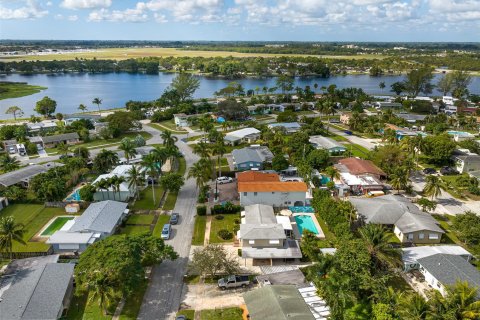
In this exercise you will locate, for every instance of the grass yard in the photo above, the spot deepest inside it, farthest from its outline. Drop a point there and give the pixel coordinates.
(99, 142)
(198, 236)
(188, 313)
(134, 302)
(456, 189)
(146, 199)
(170, 201)
(56, 225)
(162, 219)
(140, 219)
(131, 229)
(449, 237)
(357, 150)
(33, 217)
(167, 125)
(226, 223)
(224, 314)
(10, 90)
(182, 166)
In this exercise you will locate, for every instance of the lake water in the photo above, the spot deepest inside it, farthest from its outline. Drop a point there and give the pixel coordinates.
(70, 90)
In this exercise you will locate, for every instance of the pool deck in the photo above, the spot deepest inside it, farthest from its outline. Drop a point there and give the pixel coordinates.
(320, 233)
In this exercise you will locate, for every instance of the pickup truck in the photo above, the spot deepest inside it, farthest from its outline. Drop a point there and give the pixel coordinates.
(233, 282)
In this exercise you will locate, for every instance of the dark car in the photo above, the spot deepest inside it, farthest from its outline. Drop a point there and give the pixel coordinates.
(429, 171)
(448, 171)
(181, 317)
(174, 218)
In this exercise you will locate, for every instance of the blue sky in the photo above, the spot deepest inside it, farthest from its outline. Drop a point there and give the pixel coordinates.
(300, 20)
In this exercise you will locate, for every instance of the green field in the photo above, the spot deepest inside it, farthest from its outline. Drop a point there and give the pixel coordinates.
(56, 225)
(17, 89)
(167, 125)
(162, 219)
(146, 199)
(140, 219)
(228, 222)
(224, 314)
(199, 230)
(132, 229)
(188, 313)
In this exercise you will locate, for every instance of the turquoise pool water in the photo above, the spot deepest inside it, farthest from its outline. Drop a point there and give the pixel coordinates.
(301, 209)
(324, 180)
(74, 196)
(305, 223)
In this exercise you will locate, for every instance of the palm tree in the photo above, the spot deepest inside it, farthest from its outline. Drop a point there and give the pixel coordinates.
(150, 163)
(81, 152)
(205, 123)
(433, 187)
(116, 182)
(128, 149)
(378, 245)
(168, 139)
(98, 102)
(99, 288)
(201, 171)
(332, 173)
(412, 306)
(106, 159)
(8, 163)
(173, 154)
(103, 184)
(135, 178)
(202, 150)
(460, 302)
(225, 126)
(219, 150)
(160, 155)
(62, 148)
(82, 107)
(399, 179)
(10, 232)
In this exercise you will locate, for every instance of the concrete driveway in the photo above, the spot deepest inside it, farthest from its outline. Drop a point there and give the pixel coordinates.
(208, 296)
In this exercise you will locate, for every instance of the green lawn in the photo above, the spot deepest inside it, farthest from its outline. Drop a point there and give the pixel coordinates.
(134, 302)
(140, 219)
(199, 230)
(146, 199)
(226, 223)
(170, 201)
(223, 314)
(182, 166)
(167, 125)
(162, 219)
(188, 313)
(99, 142)
(83, 308)
(449, 237)
(56, 225)
(131, 229)
(33, 217)
(10, 90)
(356, 150)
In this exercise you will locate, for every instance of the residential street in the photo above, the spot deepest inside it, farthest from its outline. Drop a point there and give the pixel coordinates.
(353, 139)
(163, 296)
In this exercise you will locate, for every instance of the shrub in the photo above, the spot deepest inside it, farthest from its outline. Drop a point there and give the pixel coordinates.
(236, 228)
(227, 208)
(225, 234)
(219, 217)
(236, 221)
(201, 210)
(239, 251)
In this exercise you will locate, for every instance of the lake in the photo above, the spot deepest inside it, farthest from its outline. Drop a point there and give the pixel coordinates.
(72, 89)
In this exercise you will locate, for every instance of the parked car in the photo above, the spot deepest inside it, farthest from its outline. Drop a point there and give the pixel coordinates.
(180, 317)
(429, 171)
(174, 218)
(348, 132)
(167, 228)
(233, 282)
(222, 180)
(448, 171)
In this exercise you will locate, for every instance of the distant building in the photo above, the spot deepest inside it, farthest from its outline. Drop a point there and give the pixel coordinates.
(68, 119)
(44, 126)
(387, 105)
(251, 158)
(23, 175)
(460, 135)
(248, 135)
(289, 127)
(181, 120)
(53, 141)
(411, 255)
(465, 161)
(125, 191)
(321, 142)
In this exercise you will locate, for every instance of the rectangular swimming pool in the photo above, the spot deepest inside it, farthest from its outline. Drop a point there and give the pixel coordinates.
(305, 222)
(56, 225)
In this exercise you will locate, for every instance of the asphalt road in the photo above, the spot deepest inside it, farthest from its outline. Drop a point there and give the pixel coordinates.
(164, 293)
(353, 139)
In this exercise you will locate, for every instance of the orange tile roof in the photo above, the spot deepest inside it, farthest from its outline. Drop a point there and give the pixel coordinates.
(360, 166)
(280, 186)
(257, 176)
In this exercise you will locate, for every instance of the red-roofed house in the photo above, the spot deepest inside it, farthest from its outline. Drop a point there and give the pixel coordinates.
(266, 188)
(357, 167)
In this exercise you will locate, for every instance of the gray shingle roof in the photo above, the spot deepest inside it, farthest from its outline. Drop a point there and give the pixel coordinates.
(14, 177)
(37, 293)
(449, 268)
(259, 214)
(395, 210)
(252, 154)
(60, 137)
(324, 142)
(101, 216)
(277, 303)
(261, 224)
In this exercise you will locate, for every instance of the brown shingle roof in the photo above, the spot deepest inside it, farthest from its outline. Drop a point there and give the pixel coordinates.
(279, 186)
(257, 176)
(360, 166)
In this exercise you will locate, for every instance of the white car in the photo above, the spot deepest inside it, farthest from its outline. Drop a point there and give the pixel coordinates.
(222, 180)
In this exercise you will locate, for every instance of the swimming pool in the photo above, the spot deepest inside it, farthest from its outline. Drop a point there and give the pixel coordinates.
(301, 209)
(74, 196)
(55, 225)
(305, 222)
(324, 180)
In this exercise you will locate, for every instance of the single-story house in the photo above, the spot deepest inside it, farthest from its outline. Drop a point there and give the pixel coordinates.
(53, 141)
(69, 118)
(410, 117)
(277, 302)
(321, 142)
(359, 167)
(411, 255)
(247, 135)
(23, 175)
(36, 288)
(442, 270)
(408, 222)
(125, 191)
(141, 152)
(289, 127)
(263, 236)
(98, 221)
(460, 135)
(387, 105)
(361, 184)
(253, 157)
(266, 188)
(181, 119)
(44, 126)
(466, 161)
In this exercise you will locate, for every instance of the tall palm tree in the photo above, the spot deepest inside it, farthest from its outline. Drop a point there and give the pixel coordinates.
(219, 150)
(10, 232)
(135, 178)
(225, 126)
(201, 171)
(202, 149)
(332, 173)
(116, 183)
(82, 107)
(160, 155)
(460, 302)
(106, 159)
(98, 102)
(150, 163)
(103, 184)
(173, 154)
(168, 139)
(100, 289)
(412, 306)
(205, 123)
(399, 179)
(128, 148)
(433, 187)
(62, 148)
(8, 163)
(81, 152)
(377, 241)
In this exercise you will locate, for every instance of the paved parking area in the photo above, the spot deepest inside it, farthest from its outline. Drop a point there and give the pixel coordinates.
(227, 191)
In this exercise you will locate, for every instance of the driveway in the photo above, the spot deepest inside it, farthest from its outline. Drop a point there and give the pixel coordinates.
(208, 296)
(164, 293)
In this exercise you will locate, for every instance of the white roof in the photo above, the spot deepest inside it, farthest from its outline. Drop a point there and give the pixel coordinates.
(240, 134)
(64, 237)
(119, 171)
(411, 255)
(353, 180)
(285, 222)
(324, 142)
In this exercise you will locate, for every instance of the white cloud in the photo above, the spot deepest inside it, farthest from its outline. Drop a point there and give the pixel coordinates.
(72, 18)
(86, 4)
(160, 18)
(192, 11)
(138, 14)
(49, 3)
(30, 10)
